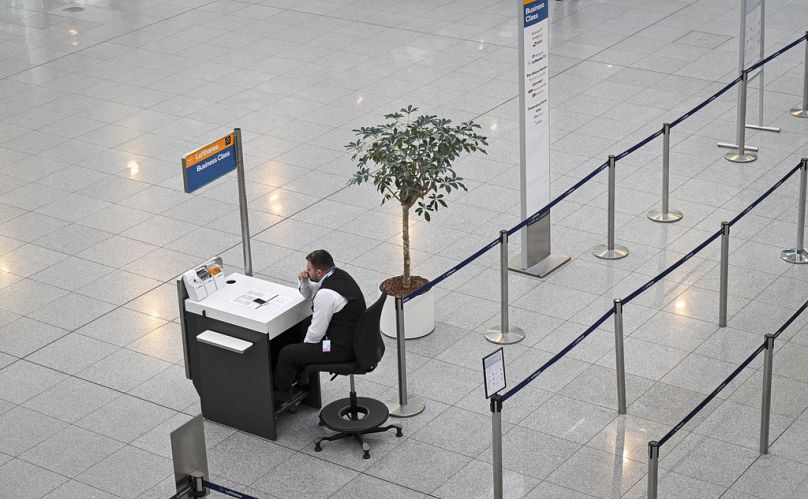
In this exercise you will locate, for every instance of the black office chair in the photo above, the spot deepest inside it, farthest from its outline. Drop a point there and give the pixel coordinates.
(356, 416)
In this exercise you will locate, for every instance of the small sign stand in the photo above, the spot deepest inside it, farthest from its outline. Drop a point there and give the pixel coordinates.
(494, 372)
(189, 453)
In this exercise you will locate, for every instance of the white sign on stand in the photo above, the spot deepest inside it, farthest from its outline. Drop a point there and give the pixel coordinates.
(535, 97)
(753, 32)
(752, 50)
(534, 124)
(494, 372)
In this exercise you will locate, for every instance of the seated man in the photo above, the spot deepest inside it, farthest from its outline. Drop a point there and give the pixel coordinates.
(337, 303)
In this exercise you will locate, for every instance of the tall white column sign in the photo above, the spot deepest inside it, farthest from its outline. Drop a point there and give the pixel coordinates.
(534, 97)
(534, 121)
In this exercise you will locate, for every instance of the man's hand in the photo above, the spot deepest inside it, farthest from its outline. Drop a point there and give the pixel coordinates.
(303, 276)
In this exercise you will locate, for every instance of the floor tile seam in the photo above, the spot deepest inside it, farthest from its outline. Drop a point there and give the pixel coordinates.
(76, 376)
(748, 468)
(362, 473)
(697, 449)
(702, 433)
(22, 457)
(99, 487)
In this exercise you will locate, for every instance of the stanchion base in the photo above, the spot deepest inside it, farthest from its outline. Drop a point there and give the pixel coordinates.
(494, 334)
(799, 113)
(657, 215)
(794, 255)
(542, 269)
(764, 128)
(413, 407)
(730, 145)
(602, 251)
(746, 157)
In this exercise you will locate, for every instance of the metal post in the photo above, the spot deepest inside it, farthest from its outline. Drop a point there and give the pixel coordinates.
(619, 356)
(407, 405)
(798, 254)
(741, 155)
(803, 113)
(665, 214)
(653, 469)
(197, 485)
(610, 251)
(766, 402)
(724, 276)
(242, 204)
(504, 334)
(496, 443)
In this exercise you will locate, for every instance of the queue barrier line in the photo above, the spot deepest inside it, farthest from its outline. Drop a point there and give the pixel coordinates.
(182, 492)
(212, 486)
(705, 102)
(649, 284)
(711, 396)
(555, 358)
(791, 319)
(673, 267)
(765, 195)
(732, 376)
(546, 209)
(226, 491)
(638, 145)
(778, 53)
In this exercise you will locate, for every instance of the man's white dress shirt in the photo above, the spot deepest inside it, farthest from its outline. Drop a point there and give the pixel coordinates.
(326, 303)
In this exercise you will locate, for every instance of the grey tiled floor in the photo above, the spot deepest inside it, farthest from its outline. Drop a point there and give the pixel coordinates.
(98, 105)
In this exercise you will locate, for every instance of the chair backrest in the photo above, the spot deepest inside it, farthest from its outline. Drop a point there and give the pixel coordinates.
(368, 343)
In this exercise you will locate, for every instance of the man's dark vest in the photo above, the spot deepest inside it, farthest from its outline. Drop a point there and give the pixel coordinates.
(343, 323)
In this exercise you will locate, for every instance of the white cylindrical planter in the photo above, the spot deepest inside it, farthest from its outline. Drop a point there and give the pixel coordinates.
(419, 316)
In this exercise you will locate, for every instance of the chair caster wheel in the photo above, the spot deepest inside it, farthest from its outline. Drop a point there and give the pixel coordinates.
(293, 409)
(317, 448)
(367, 455)
(399, 434)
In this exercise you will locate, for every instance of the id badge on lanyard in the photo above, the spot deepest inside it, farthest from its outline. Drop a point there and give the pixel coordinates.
(326, 346)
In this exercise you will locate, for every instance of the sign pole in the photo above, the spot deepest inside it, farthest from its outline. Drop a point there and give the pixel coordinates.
(242, 204)
(536, 258)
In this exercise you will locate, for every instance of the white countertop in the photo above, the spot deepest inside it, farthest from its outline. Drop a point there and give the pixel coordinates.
(286, 309)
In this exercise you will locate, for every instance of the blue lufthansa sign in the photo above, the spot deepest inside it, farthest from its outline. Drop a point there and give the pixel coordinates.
(208, 163)
(535, 12)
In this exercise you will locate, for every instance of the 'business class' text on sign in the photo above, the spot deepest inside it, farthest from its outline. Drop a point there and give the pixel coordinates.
(208, 163)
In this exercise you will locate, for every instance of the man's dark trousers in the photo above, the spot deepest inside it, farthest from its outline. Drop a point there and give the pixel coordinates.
(293, 358)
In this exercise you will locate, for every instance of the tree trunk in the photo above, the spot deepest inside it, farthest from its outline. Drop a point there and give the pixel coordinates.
(405, 239)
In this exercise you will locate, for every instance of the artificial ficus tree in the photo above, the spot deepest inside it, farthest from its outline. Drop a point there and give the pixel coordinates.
(410, 159)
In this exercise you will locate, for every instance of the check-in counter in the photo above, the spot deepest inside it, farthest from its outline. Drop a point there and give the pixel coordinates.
(231, 343)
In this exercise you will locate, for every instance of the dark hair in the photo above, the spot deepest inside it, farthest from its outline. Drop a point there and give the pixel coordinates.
(320, 260)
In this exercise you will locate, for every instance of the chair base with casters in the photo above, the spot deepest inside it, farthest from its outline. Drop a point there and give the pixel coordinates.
(353, 417)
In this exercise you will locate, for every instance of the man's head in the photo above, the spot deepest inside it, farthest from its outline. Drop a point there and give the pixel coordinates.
(318, 263)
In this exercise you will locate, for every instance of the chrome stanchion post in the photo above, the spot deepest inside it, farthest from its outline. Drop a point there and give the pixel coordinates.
(610, 251)
(619, 356)
(406, 405)
(741, 155)
(766, 402)
(242, 205)
(724, 276)
(496, 443)
(653, 469)
(665, 215)
(504, 334)
(798, 254)
(803, 113)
